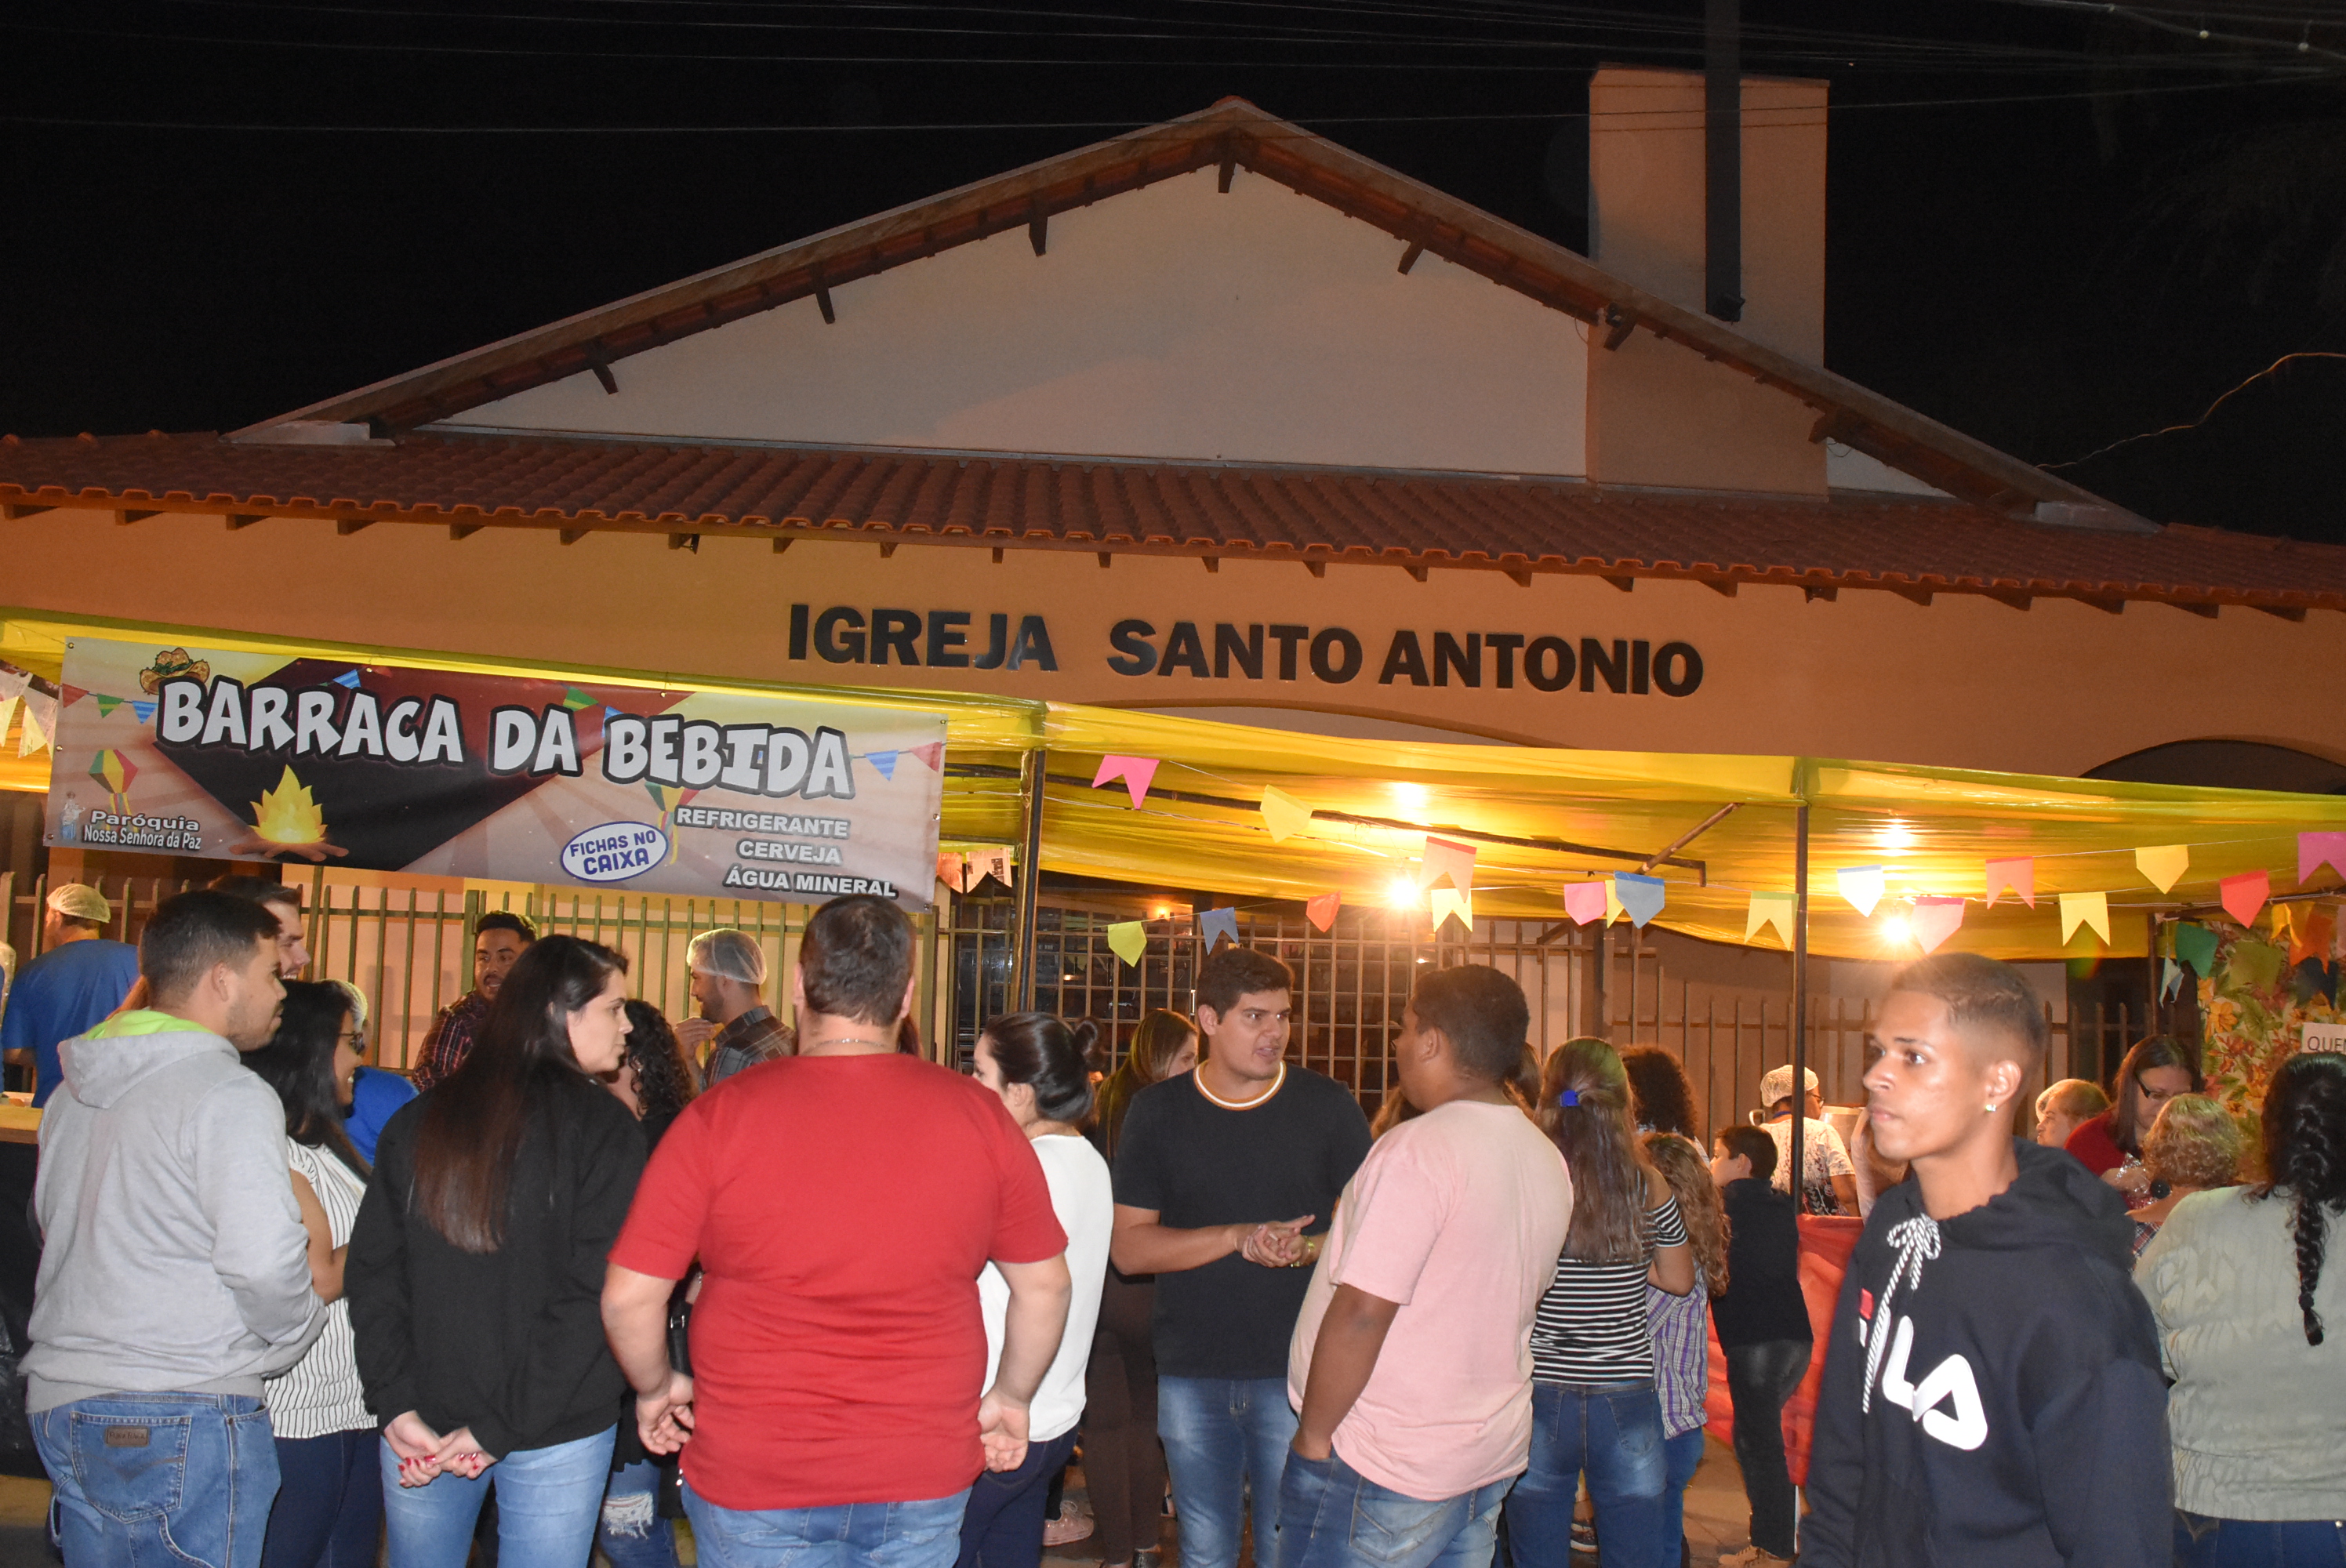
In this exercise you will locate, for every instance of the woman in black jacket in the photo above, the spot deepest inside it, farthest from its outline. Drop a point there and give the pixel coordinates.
(475, 1272)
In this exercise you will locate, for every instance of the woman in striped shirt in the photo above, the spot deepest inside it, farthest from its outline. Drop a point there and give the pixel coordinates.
(1594, 1406)
(329, 1510)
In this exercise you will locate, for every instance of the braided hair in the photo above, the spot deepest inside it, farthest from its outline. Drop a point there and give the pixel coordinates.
(2305, 1155)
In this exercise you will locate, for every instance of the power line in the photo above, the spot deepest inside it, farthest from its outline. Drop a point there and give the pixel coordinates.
(1539, 116)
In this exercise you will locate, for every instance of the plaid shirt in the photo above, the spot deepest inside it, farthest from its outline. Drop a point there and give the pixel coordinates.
(756, 1036)
(451, 1039)
(1680, 1327)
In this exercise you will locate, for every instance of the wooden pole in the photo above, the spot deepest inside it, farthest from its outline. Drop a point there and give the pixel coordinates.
(1030, 877)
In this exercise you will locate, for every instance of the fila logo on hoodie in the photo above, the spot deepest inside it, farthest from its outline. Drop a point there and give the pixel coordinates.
(1951, 1381)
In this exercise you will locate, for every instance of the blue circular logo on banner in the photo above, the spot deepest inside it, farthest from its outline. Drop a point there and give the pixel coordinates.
(613, 852)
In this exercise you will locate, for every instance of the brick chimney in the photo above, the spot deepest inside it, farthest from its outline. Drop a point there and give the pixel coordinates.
(1658, 414)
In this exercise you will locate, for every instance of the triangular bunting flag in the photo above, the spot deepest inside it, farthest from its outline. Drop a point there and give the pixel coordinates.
(883, 761)
(1586, 902)
(1613, 909)
(1936, 919)
(40, 723)
(349, 681)
(2086, 908)
(994, 863)
(144, 711)
(7, 713)
(2171, 979)
(2312, 930)
(107, 704)
(1128, 939)
(2315, 850)
(1444, 859)
(932, 755)
(2164, 864)
(1443, 902)
(572, 698)
(2195, 945)
(13, 683)
(1861, 886)
(2245, 894)
(953, 872)
(1136, 772)
(1767, 910)
(1321, 910)
(69, 695)
(2018, 874)
(1642, 896)
(1283, 814)
(1213, 926)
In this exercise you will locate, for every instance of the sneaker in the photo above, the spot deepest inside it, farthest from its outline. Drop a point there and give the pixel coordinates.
(1074, 1523)
(1584, 1535)
(1753, 1557)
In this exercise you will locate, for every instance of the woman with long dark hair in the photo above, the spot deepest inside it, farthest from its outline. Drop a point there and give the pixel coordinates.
(1660, 1098)
(655, 1081)
(2246, 1295)
(1595, 1410)
(1041, 1069)
(1123, 1465)
(329, 1509)
(2158, 1068)
(1680, 1325)
(476, 1272)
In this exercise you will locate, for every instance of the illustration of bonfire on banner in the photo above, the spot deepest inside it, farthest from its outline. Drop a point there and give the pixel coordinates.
(389, 767)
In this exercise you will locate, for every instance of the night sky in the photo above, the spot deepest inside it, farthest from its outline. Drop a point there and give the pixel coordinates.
(2053, 226)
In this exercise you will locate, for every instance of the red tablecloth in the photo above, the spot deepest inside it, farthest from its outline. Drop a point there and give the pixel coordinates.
(1826, 1242)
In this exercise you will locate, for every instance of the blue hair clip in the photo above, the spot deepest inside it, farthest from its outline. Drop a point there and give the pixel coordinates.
(1568, 1097)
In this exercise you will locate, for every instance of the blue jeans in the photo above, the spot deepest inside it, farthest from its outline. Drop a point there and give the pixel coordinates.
(2204, 1543)
(1332, 1516)
(169, 1478)
(1225, 1438)
(329, 1512)
(1614, 1433)
(1002, 1525)
(547, 1501)
(632, 1533)
(1681, 1457)
(920, 1534)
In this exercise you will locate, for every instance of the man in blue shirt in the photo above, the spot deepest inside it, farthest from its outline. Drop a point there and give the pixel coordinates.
(80, 978)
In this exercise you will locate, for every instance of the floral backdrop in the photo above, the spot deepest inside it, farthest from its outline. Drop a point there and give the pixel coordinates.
(2262, 987)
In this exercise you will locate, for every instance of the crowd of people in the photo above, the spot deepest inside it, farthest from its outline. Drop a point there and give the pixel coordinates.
(829, 1301)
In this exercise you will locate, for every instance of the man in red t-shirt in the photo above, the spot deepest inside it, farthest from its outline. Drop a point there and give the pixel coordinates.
(840, 1203)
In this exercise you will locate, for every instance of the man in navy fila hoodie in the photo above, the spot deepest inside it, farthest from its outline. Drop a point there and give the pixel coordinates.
(1992, 1392)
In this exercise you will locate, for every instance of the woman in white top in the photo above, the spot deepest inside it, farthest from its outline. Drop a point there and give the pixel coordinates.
(1042, 1070)
(329, 1508)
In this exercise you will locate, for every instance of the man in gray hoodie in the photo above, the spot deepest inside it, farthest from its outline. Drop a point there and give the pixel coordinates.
(174, 1270)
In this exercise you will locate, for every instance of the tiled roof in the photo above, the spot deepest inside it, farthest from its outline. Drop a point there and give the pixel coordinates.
(1911, 546)
(1233, 134)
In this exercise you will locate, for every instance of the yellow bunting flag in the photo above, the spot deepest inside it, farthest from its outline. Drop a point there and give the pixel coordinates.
(1447, 902)
(2086, 908)
(1128, 939)
(1284, 815)
(1767, 910)
(2164, 864)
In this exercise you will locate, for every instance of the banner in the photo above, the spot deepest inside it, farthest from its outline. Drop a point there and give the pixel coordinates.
(257, 757)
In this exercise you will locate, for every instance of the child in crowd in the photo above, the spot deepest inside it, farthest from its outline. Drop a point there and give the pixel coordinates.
(1411, 1363)
(1763, 1330)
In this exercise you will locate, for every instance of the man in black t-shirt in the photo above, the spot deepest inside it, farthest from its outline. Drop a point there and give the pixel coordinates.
(1226, 1179)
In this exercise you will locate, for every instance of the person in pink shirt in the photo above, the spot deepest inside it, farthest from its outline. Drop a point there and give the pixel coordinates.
(1410, 1363)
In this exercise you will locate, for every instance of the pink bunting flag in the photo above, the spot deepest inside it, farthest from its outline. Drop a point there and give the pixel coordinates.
(2315, 850)
(932, 755)
(1935, 920)
(2245, 894)
(1321, 910)
(1584, 902)
(1136, 772)
(1442, 858)
(2018, 874)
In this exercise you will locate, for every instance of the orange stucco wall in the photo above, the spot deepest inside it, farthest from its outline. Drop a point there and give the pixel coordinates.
(2057, 688)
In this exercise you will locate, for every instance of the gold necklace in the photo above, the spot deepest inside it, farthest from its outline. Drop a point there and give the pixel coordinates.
(1200, 1079)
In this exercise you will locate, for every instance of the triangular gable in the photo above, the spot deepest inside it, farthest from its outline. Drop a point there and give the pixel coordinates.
(1230, 136)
